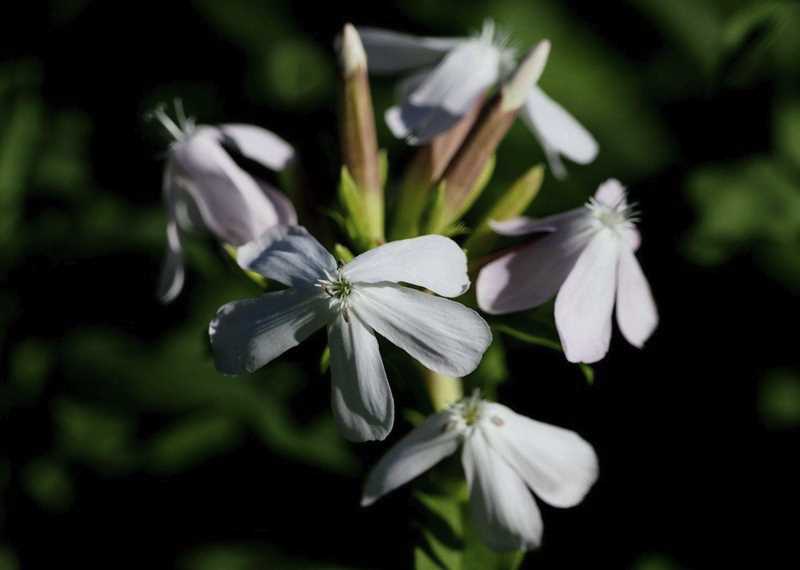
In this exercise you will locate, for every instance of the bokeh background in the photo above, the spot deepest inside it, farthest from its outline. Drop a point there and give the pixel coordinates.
(122, 447)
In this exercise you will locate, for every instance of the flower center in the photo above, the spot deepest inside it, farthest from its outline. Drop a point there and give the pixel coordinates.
(466, 412)
(180, 127)
(337, 288)
(612, 217)
(499, 39)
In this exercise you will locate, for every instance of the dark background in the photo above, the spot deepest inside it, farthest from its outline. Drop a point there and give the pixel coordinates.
(122, 447)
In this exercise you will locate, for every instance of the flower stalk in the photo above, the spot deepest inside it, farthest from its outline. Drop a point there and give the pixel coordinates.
(443, 390)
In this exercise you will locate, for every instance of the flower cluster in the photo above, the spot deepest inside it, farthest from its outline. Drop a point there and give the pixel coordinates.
(459, 98)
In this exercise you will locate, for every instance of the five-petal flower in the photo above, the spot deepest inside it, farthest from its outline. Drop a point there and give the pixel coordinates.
(503, 455)
(354, 301)
(449, 75)
(204, 188)
(586, 256)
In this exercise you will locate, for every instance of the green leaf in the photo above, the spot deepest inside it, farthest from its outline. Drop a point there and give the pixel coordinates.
(511, 203)
(325, 360)
(528, 327)
(449, 542)
(342, 253)
(191, 441)
(383, 167)
(491, 372)
(435, 221)
(355, 213)
(534, 328)
(787, 130)
(256, 278)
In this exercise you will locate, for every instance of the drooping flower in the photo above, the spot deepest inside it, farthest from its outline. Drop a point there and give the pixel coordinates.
(447, 76)
(204, 188)
(354, 302)
(586, 259)
(504, 454)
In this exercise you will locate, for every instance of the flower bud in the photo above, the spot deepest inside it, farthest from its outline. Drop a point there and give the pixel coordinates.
(358, 137)
(426, 168)
(467, 168)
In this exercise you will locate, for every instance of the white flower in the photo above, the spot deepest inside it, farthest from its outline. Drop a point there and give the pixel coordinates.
(204, 188)
(587, 256)
(504, 454)
(354, 302)
(448, 75)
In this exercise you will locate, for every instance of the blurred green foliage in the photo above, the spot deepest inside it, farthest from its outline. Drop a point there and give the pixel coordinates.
(779, 399)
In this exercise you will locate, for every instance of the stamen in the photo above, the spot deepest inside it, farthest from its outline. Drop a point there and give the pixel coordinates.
(466, 412)
(178, 130)
(338, 289)
(621, 214)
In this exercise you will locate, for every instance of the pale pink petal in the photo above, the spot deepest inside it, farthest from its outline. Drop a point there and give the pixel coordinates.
(230, 202)
(585, 302)
(523, 225)
(532, 274)
(636, 310)
(611, 193)
(260, 145)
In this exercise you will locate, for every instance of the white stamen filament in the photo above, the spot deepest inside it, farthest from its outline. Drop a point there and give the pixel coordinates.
(618, 216)
(178, 130)
(338, 289)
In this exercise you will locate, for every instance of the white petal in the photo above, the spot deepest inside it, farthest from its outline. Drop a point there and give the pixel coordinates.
(284, 208)
(532, 274)
(447, 93)
(433, 262)
(360, 394)
(522, 225)
(229, 200)
(406, 86)
(425, 446)
(503, 510)
(289, 255)
(246, 335)
(557, 464)
(172, 270)
(636, 310)
(389, 52)
(443, 335)
(558, 131)
(260, 145)
(586, 300)
(611, 193)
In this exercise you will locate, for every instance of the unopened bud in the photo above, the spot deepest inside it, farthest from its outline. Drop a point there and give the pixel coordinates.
(467, 170)
(352, 54)
(516, 91)
(427, 166)
(358, 138)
